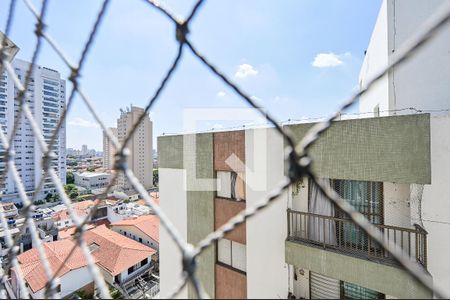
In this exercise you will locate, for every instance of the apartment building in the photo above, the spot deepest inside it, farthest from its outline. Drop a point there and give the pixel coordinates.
(46, 99)
(108, 150)
(140, 160)
(391, 169)
(422, 81)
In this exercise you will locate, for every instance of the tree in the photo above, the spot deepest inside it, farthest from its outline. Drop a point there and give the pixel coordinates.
(90, 169)
(70, 179)
(71, 190)
(155, 177)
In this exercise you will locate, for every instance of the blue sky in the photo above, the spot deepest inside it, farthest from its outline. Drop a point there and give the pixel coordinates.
(299, 58)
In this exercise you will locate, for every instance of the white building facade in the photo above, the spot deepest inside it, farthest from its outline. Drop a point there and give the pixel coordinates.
(46, 98)
(422, 81)
(108, 150)
(140, 159)
(92, 180)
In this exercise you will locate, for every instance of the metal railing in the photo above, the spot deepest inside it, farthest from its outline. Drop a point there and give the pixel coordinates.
(343, 235)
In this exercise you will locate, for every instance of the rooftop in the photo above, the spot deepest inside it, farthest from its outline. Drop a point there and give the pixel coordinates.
(116, 253)
(148, 224)
(58, 258)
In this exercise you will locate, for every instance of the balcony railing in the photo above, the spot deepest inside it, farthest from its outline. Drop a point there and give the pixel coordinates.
(343, 235)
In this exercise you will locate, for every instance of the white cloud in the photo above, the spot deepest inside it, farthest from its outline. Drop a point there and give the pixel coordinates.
(221, 94)
(217, 126)
(80, 122)
(327, 60)
(245, 70)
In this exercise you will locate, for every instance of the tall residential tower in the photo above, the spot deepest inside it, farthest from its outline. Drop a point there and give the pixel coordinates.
(108, 150)
(140, 146)
(46, 98)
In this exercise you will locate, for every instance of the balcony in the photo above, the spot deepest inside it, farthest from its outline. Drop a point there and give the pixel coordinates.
(343, 236)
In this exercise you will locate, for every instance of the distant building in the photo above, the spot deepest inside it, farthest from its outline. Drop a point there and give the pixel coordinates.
(92, 180)
(108, 150)
(140, 145)
(46, 98)
(84, 149)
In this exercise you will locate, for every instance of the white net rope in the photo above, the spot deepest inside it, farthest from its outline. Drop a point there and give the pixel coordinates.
(298, 157)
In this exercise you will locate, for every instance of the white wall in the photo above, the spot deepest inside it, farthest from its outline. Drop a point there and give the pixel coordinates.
(396, 204)
(436, 203)
(267, 272)
(124, 275)
(74, 280)
(422, 81)
(135, 234)
(375, 59)
(172, 193)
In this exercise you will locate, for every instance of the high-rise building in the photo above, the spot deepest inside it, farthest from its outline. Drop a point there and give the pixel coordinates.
(108, 150)
(140, 146)
(46, 98)
(84, 149)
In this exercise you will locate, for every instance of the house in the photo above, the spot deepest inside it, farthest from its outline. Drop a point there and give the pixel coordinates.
(119, 259)
(144, 229)
(82, 209)
(73, 270)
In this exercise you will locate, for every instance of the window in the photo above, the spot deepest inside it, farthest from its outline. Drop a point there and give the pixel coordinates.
(58, 288)
(353, 291)
(144, 262)
(140, 240)
(230, 185)
(130, 270)
(232, 254)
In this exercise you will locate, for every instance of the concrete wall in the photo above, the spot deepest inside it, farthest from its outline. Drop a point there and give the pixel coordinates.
(385, 279)
(422, 81)
(230, 284)
(392, 149)
(223, 211)
(174, 203)
(396, 204)
(436, 203)
(227, 144)
(267, 272)
(375, 59)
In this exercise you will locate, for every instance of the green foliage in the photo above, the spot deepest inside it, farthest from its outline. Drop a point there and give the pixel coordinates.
(115, 294)
(90, 169)
(155, 177)
(70, 179)
(18, 205)
(73, 195)
(126, 201)
(83, 295)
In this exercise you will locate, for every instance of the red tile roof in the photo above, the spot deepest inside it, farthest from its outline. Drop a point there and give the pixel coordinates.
(81, 208)
(68, 232)
(147, 224)
(116, 253)
(58, 257)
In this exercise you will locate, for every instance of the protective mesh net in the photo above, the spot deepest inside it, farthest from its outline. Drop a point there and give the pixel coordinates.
(357, 222)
